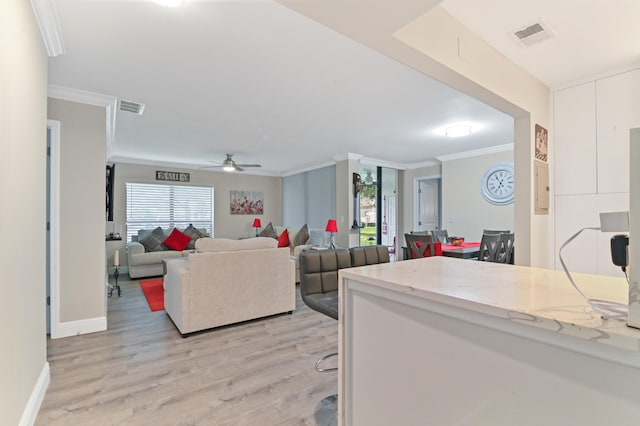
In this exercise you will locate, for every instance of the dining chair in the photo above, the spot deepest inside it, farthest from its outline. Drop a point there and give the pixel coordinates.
(492, 231)
(440, 236)
(505, 248)
(419, 246)
(489, 246)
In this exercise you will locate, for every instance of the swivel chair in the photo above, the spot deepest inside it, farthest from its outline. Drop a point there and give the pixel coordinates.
(319, 291)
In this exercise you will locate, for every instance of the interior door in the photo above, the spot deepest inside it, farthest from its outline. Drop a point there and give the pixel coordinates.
(428, 205)
(48, 234)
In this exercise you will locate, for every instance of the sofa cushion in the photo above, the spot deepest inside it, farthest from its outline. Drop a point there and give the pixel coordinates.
(268, 231)
(177, 240)
(302, 236)
(283, 239)
(154, 258)
(153, 241)
(317, 237)
(207, 245)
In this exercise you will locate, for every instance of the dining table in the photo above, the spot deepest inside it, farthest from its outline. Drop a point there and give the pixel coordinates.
(468, 250)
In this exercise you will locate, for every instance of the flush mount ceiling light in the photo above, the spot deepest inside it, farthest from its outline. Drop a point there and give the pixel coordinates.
(458, 131)
(169, 3)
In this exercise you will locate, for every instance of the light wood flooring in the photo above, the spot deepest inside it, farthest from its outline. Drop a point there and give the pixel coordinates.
(141, 372)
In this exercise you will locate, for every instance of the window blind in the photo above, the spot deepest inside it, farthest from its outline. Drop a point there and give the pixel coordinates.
(151, 205)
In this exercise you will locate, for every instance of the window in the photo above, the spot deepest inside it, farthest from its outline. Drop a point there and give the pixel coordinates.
(151, 205)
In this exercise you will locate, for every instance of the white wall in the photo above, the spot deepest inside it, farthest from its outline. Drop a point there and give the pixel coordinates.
(464, 212)
(23, 124)
(226, 225)
(82, 210)
(591, 143)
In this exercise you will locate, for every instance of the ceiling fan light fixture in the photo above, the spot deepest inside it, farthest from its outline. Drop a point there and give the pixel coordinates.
(228, 168)
(369, 179)
(458, 131)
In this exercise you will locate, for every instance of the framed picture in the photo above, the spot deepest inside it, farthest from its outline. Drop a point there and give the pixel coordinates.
(541, 143)
(247, 202)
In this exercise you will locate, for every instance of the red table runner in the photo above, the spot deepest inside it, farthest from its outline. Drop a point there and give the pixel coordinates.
(438, 247)
(463, 245)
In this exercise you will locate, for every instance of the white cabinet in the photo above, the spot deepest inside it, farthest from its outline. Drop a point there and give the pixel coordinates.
(618, 110)
(575, 140)
(591, 163)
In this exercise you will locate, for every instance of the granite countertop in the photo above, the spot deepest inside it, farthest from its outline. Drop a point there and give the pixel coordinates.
(541, 298)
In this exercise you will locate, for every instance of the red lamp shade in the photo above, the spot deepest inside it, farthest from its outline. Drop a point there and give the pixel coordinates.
(256, 223)
(332, 226)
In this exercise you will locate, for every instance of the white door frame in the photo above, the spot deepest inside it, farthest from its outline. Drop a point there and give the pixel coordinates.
(54, 226)
(416, 197)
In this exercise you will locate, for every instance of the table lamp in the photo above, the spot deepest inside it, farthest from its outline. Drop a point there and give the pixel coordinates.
(332, 227)
(257, 225)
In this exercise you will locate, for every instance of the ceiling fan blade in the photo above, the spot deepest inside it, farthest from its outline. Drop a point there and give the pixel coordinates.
(210, 167)
(239, 169)
(248, 165)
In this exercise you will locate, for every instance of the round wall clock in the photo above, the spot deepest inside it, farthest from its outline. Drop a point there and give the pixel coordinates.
(497, 184)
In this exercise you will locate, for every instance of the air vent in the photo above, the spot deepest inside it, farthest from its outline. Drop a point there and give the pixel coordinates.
(132, 107)
(534, 34)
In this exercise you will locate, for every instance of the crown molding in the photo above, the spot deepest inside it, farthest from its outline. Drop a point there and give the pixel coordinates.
(382, 163)
(347, 156)
(422, 164)
(89, 98)
(476, 152)
(595, 77)
(308, 168)
(184, 166)
(80, 96)
(47, 19)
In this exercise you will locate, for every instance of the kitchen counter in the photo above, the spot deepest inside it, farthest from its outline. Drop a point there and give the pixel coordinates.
(449, 341)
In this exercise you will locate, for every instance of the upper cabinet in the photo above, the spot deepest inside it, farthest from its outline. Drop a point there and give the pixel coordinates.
(591, 123)
(575, 140)
(617, 109)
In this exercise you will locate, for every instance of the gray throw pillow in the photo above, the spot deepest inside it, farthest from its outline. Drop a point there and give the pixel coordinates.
(153, 241)
(194, 233)
(268, 231)
(302, 236)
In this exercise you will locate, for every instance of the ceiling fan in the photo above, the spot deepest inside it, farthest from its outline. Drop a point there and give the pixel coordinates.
(228, 165)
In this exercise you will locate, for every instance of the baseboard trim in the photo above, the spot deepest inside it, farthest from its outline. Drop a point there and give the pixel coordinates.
(32, 408)
(76, 328)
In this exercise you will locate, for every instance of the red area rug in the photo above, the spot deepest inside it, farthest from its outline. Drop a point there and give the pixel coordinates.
(154, 293)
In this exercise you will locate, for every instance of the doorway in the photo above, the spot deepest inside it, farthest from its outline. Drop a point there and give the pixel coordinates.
(428, 206)
(53, 228)
(378, 206)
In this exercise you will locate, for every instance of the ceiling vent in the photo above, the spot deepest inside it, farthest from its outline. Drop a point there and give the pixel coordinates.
(132, 107)
(534, 34)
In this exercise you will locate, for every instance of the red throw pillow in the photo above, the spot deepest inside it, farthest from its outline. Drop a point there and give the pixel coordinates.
(177, 240)
(283, 239)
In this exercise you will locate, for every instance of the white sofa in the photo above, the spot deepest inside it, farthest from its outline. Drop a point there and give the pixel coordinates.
(143, 263)
(317, 238)
(148, 264)
(229, 281)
